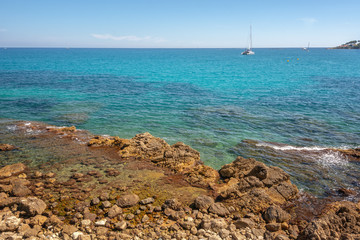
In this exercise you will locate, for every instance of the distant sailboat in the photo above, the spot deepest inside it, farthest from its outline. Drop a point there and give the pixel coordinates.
(307, 49)
(248, 50)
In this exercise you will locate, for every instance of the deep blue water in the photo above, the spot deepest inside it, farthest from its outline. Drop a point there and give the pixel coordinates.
(211, 99)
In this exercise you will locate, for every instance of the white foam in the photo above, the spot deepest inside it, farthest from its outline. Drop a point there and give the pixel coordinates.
(27, 124)
(11, 127)
(290, 148)
(331, 158)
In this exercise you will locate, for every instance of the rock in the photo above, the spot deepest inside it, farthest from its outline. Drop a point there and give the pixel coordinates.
(128, 200)
(69, 229)
(90, 216)
(275, 214)
(8, 222)
(174, 204)
(217, 224)
(281, 237)
(147, 201)
(12, 170)
(76, 235)
(38, 220)
(273, 227)
(95, 201)
(145, 218)
(339, 219)
(114, 211)
(121, 225)
(6, 147)
(32, 205)
(85, 222)
(100, 223)
(219, 209)
(253, 186)
(203, 202)
(106, 204)
(244, 223)
(20, 190)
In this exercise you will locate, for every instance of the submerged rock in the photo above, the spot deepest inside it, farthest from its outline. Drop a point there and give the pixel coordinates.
(12, 170)
(6, 147)
(128, 200)
(253, 186)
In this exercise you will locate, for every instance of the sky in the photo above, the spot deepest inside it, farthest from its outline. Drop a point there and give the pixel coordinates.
(177, 23)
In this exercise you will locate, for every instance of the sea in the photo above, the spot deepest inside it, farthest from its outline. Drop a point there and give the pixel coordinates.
(284, 107)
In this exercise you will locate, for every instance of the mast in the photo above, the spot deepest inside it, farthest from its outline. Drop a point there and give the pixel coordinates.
(250, 44)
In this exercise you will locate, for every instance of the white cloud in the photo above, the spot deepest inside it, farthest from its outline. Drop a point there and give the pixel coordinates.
(126, 38)
(308, 20)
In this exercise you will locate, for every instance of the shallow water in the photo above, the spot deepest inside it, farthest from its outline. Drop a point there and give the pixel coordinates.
(211, 99)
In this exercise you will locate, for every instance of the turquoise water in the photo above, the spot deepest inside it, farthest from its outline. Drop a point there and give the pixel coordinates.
(211, 99)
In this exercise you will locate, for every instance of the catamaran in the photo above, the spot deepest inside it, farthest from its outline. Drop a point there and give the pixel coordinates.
(248, 50)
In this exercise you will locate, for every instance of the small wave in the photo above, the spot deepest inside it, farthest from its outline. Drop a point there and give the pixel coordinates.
(11, 127)
(290, 148)
(332, 158)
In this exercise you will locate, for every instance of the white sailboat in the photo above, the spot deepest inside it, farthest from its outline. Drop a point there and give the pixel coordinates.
(307, 49)
(248, 50)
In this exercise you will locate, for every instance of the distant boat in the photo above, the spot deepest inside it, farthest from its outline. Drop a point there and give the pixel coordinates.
(248, 50)
(307, 49)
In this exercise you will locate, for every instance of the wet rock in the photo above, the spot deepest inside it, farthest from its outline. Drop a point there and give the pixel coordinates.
(253, 186)
(219, 209)
(203, 202)
(12, 170)
(6, 147)
(275, 214)
(340, 219)
(128, 200)
(114, 211)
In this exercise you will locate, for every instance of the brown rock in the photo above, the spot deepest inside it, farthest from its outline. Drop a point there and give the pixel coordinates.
(219, 209)
(203, 202)
(273, 227)
(38, 220)
(276, 214)
(12, 170)
(128, 200)
(19, 190)
(114, 211)
(244, 223)
(6, 147)
(341, 219)
(32, 205)
(173, 204)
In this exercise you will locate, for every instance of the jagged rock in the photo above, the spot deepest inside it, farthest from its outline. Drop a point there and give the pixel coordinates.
(203, 202)
(32, 205)
(273, 227)
(147, 201)
(6, 147)
(128, 200)
(20, 190)
(121, 225)
(253, 186)
(275, 214)
(174, 204)
(12, 170)
(244, 223)
(8, 222)
(114, 211)
(219, 209)
(341, 219)
(69, 229)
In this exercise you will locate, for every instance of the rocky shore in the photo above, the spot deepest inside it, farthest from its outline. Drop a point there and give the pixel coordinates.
(144, 188)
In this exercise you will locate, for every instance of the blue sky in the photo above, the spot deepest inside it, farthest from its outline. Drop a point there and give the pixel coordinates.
(177, 23)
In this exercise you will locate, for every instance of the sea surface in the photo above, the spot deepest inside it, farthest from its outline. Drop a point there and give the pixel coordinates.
(292, 104)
